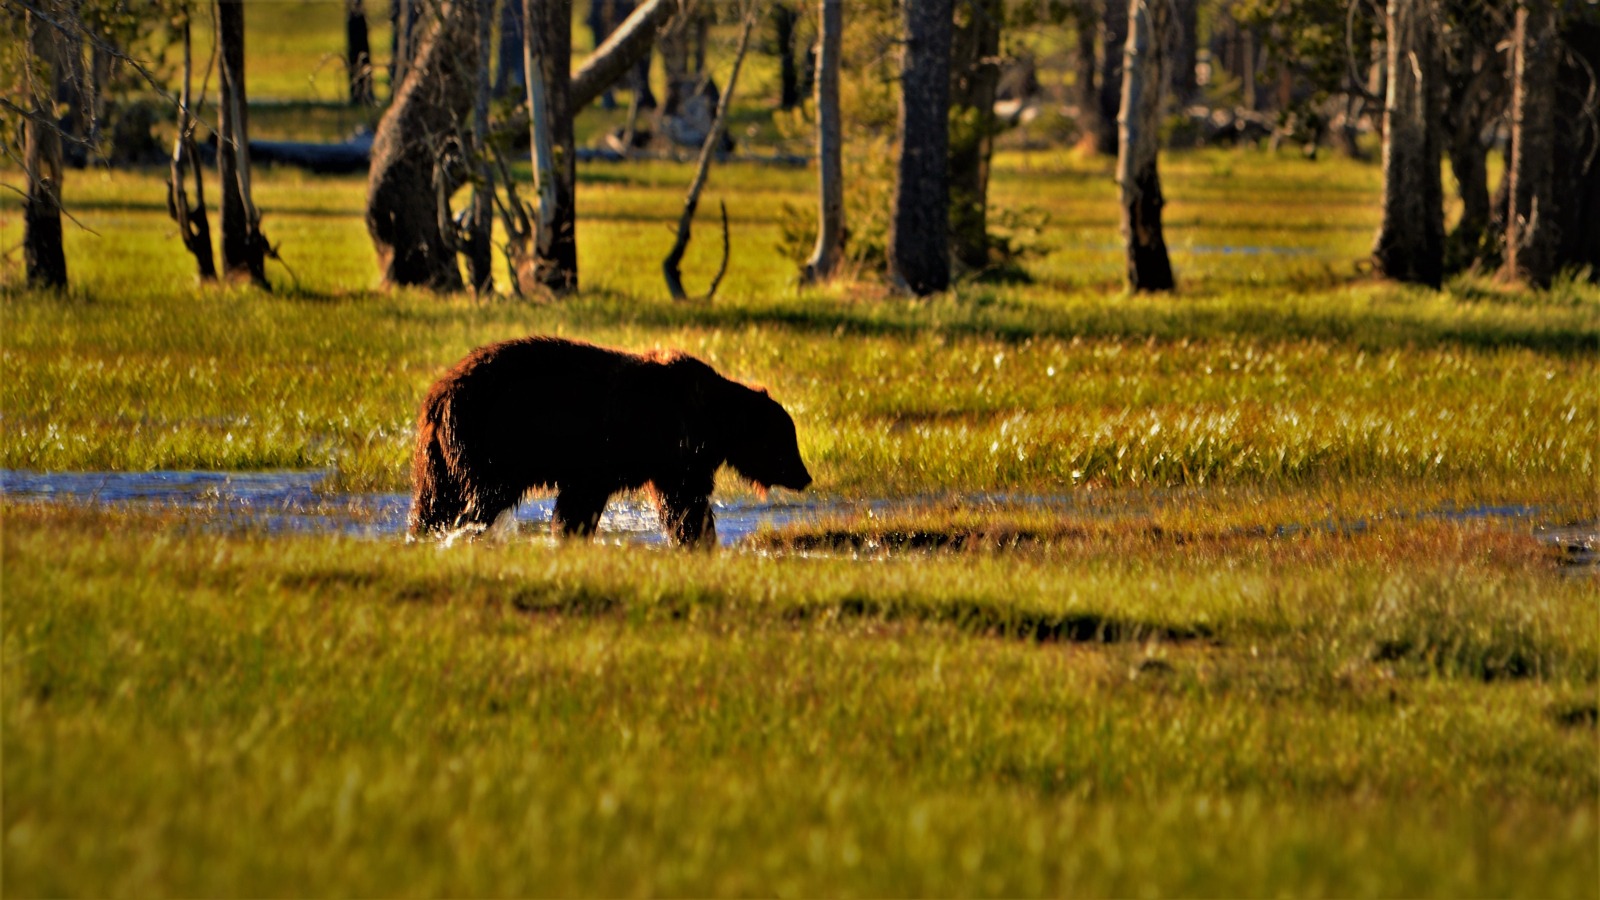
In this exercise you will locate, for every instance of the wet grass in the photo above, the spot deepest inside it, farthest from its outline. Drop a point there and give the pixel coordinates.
(1248, 645)
(239, 714)
(1254, 374)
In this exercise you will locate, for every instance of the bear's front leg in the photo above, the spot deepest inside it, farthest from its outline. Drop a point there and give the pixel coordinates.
(687, 519)
(577, 512)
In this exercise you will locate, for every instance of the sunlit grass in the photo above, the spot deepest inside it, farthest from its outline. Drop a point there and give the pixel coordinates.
(368, 718)
(1185, 603)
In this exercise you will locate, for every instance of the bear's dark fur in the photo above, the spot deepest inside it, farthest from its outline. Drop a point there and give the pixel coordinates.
(544, 412)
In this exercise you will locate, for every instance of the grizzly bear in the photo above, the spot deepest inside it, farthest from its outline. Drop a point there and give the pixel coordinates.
(543, 412)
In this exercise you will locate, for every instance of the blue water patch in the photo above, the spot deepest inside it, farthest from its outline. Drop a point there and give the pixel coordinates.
(299, 502)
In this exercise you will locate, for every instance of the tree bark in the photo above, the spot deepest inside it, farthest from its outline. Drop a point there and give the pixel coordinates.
(1086, 73)
(1144, 76)
(244, 248)
(1184, 86)
(549, 62)
(623, 48)
(480, 229)
(1577, 144)
(1410, 242)
(830, 149)
(1531, 232)
(1475, 99)
(784, 18)
(417, 158)
(975, 74)
(511, 76)
(1114, 36)
(358, 53)
(919, 255)
(44, 259)
(405, 37)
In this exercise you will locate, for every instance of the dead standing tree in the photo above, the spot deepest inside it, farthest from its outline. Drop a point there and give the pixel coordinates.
(194, 228)
(830, 149)
(417, 154)
(1530, 227)
(44, 258)
(477, 242)
(244, 247)
(548, 61)
(1410, 242)
(543, 248)
(919, 241)
(1144, 77)
(974, 78)
(669, 266)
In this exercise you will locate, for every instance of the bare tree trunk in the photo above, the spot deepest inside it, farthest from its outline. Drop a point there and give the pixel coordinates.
(621, 50)
(1114, 36)
(1086, 73)
(919, 240)
(73, 93)
(1531, 231)
(480, 230)
(194, 228)
(244, 248)
(549, 62)
(1473, 103)
(44, 259)
(1410, 242)
(830, 149)
(784, 18)
(669, 266)
(358, 53)
(1577, 144)
(975, 74)
(510, 76)
(418, 159)
(405, 38)
(1184, 86)
(1144, 76)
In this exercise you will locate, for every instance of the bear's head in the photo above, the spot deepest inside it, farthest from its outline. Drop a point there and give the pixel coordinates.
(761, 443)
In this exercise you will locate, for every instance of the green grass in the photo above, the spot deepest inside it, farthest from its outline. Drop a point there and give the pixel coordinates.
(297, 715)
(1243, 655)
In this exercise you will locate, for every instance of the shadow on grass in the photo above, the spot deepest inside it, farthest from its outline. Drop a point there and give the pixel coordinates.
(984, 313)
(984, 618)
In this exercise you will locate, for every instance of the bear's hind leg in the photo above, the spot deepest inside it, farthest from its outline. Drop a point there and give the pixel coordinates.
(485, 505)
(687, 519)
(577, 512)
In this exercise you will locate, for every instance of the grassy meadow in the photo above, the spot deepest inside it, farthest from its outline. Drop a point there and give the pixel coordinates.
(1269, 638)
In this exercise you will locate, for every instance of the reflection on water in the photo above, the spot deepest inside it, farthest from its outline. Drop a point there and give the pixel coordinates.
(294, 502)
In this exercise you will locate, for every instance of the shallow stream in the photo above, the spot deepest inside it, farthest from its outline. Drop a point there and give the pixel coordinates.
(295, 502)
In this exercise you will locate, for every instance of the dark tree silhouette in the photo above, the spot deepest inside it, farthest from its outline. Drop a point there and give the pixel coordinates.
(1531, 232)
(194, 228)
(44, 258)
(244, 248)
(830, 148)
(358, 53)
(975, 75)
(1410, 242)
(919, 242)
(418, 159)
(1144, 76)
(549, 67)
